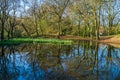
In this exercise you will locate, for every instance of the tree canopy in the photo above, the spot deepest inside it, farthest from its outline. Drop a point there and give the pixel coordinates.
(33, 18)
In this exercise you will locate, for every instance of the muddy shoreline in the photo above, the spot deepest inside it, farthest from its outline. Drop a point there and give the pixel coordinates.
(103, 39)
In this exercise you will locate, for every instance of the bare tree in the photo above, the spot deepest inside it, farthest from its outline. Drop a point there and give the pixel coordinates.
(3, 15)
(58, 8)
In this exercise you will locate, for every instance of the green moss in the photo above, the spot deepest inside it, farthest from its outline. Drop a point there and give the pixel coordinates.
(35, 40)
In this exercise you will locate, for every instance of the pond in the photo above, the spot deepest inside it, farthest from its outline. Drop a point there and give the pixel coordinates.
(80, 61)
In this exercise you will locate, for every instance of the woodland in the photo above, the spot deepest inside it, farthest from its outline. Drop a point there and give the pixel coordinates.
(55, 18)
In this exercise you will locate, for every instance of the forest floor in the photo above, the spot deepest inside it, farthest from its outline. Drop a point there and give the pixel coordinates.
(114, 39)
(111, 40)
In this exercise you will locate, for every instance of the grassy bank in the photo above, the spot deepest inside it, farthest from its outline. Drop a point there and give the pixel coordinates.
(34, 40)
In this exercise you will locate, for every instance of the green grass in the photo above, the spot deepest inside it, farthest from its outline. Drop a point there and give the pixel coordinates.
(34, 40)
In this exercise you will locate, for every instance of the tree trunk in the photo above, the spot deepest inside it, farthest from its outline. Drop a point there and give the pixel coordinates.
(25, 29)
(12, 31)
(59, 26)
(36, 27)
(8, 34)
(2, 30)
(79, 29)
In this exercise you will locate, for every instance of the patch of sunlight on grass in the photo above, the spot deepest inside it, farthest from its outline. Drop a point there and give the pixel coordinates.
(35, 40)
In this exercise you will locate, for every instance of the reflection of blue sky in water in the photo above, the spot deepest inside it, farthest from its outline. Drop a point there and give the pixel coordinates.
(24, 66)
(25, 70)
(107, 69)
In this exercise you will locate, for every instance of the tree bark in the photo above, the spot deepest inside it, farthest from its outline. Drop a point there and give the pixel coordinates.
(2, 30)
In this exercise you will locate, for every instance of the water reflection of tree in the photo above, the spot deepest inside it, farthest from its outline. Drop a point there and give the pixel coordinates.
(89, 61)
(80, 64)
(3, 70)
(6, 72)
(105, 62)
(52, 61)
(81, 61)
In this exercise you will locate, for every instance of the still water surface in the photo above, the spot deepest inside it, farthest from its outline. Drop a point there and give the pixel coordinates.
(80, 61)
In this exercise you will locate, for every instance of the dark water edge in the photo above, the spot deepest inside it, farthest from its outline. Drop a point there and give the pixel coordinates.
(81, 61)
